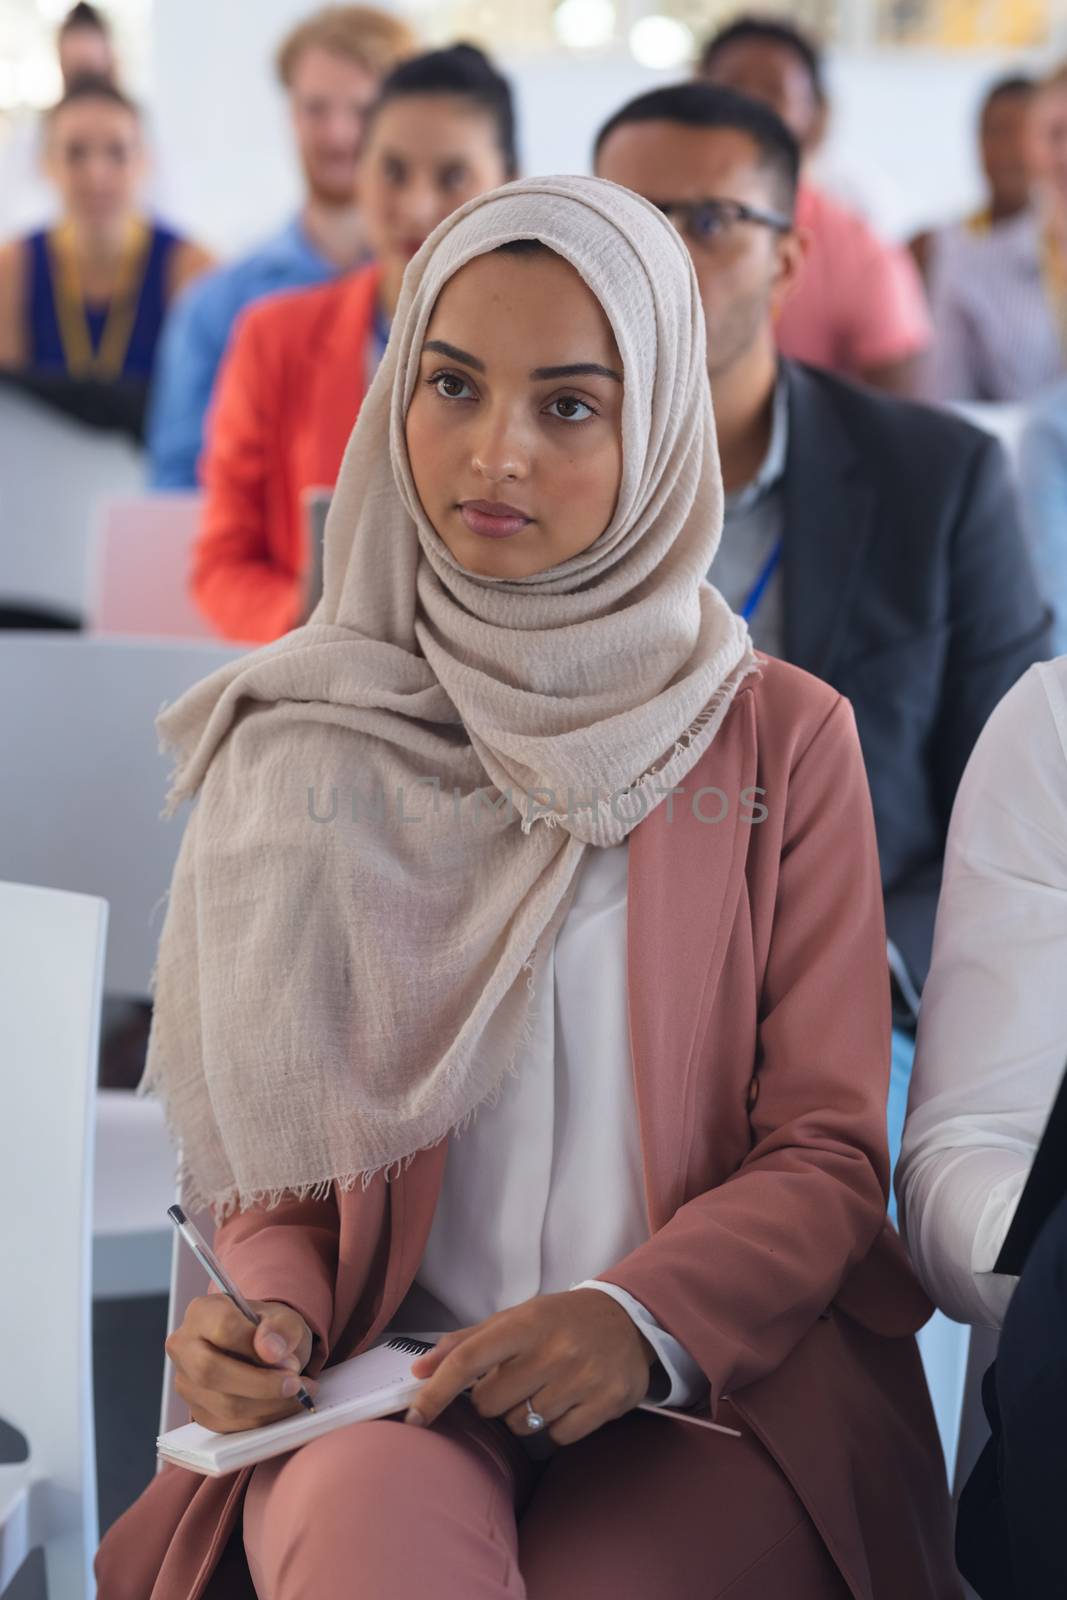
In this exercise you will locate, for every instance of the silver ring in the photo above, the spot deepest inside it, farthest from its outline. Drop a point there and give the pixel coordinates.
(534, 1419)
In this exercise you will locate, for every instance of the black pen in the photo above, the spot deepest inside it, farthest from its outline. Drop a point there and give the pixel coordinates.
(213, 1267)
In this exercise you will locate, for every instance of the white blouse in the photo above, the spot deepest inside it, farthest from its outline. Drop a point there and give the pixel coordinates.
(992, 1034)
(546, 1188)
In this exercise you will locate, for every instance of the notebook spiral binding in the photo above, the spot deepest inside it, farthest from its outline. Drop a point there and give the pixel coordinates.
(414, 1347)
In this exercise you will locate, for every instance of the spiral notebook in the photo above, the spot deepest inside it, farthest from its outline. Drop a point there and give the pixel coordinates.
(377, 1383)
(374, 1384)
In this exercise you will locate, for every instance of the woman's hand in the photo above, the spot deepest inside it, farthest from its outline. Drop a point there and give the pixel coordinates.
(217, 1353)
(577, 1356)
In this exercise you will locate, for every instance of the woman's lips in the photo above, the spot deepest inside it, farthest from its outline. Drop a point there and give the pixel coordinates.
(493, 520)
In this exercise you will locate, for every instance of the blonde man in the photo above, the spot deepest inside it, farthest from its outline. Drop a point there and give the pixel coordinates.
(330, 66)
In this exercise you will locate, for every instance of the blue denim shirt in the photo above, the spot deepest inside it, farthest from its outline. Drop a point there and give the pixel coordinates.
(194, 340)
(1043, 486)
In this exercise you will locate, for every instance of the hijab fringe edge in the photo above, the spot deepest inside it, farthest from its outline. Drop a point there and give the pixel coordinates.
(194, 1197)
(233, 1199)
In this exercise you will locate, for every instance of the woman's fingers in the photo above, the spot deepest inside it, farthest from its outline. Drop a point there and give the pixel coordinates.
(282, 1336)
(223, 1365)
(224, 1413)
(210, 1369)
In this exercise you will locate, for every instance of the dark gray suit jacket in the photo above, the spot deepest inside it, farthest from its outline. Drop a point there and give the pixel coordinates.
(909, 587)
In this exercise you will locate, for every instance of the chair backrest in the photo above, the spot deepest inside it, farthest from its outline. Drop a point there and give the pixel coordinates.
(53, 472)
(187, 1280)
(82, 782)
(142, 558)
(51, 974)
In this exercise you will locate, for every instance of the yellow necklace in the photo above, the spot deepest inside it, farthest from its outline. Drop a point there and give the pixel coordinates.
(107, 361)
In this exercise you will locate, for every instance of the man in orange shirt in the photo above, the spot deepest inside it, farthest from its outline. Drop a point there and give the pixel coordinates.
(299, 363)
(859, 308)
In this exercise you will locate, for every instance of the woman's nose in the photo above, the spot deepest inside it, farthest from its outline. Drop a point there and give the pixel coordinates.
(500, 454)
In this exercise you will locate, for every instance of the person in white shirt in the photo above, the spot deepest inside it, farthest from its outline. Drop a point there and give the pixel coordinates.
(992, 1039)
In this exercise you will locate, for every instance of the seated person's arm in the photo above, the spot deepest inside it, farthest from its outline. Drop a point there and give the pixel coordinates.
(993, 1026)
(236, 581)
(287, 1254)
(190, 350)
(284, 1261)
(997, 627)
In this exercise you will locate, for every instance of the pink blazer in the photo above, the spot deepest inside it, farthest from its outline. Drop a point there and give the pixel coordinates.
(759, 1024)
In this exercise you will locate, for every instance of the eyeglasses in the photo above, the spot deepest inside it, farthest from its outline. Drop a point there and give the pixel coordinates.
(707, 222)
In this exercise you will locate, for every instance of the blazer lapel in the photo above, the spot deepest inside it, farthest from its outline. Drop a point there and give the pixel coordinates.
(828, 518)
(683, 882)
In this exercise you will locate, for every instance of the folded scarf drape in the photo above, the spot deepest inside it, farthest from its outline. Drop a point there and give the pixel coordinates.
(391, 801)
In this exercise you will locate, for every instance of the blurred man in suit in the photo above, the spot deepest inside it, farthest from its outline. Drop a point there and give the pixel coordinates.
(870, 540)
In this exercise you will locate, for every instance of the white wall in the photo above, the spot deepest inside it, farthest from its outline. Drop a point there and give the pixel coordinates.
(903, 122)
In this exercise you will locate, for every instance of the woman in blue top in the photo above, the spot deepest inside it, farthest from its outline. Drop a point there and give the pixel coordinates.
(86, 299)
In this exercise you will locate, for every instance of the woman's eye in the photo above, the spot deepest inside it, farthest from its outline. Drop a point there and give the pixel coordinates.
(450, 386)
(574, 410)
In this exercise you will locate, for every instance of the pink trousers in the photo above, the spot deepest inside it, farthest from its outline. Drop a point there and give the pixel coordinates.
(644, 1507)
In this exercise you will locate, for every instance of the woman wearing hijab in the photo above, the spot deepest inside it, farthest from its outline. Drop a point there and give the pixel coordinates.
(441, 131)
(524, 970)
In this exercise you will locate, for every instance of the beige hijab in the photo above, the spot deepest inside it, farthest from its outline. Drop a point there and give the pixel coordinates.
(356, 896)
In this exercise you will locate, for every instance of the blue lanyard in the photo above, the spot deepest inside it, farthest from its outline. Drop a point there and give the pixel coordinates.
(759, 588)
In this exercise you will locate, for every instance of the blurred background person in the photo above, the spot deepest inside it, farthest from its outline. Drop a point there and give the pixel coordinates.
(1000, 298)
(331, 67)
(872, 541)
(859, 308)
(293, 380)
(85, 300)
(1003, 153)
(85, 48)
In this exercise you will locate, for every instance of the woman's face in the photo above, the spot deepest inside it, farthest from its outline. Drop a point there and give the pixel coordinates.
(514, 432)
(94, 158)
(425, 155)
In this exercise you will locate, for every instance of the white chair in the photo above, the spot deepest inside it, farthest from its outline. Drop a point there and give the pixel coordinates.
(51, 975)
(54, 469)
(83, 781)
(141, 564)
(134, 1184)
(81, 790)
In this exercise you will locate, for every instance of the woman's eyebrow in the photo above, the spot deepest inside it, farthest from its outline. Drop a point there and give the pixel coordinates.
(577, 369)
(454, 353)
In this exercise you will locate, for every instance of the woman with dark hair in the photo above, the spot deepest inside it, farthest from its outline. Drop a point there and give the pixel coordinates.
(565, 1032)
(85, 299)
(289, 390)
